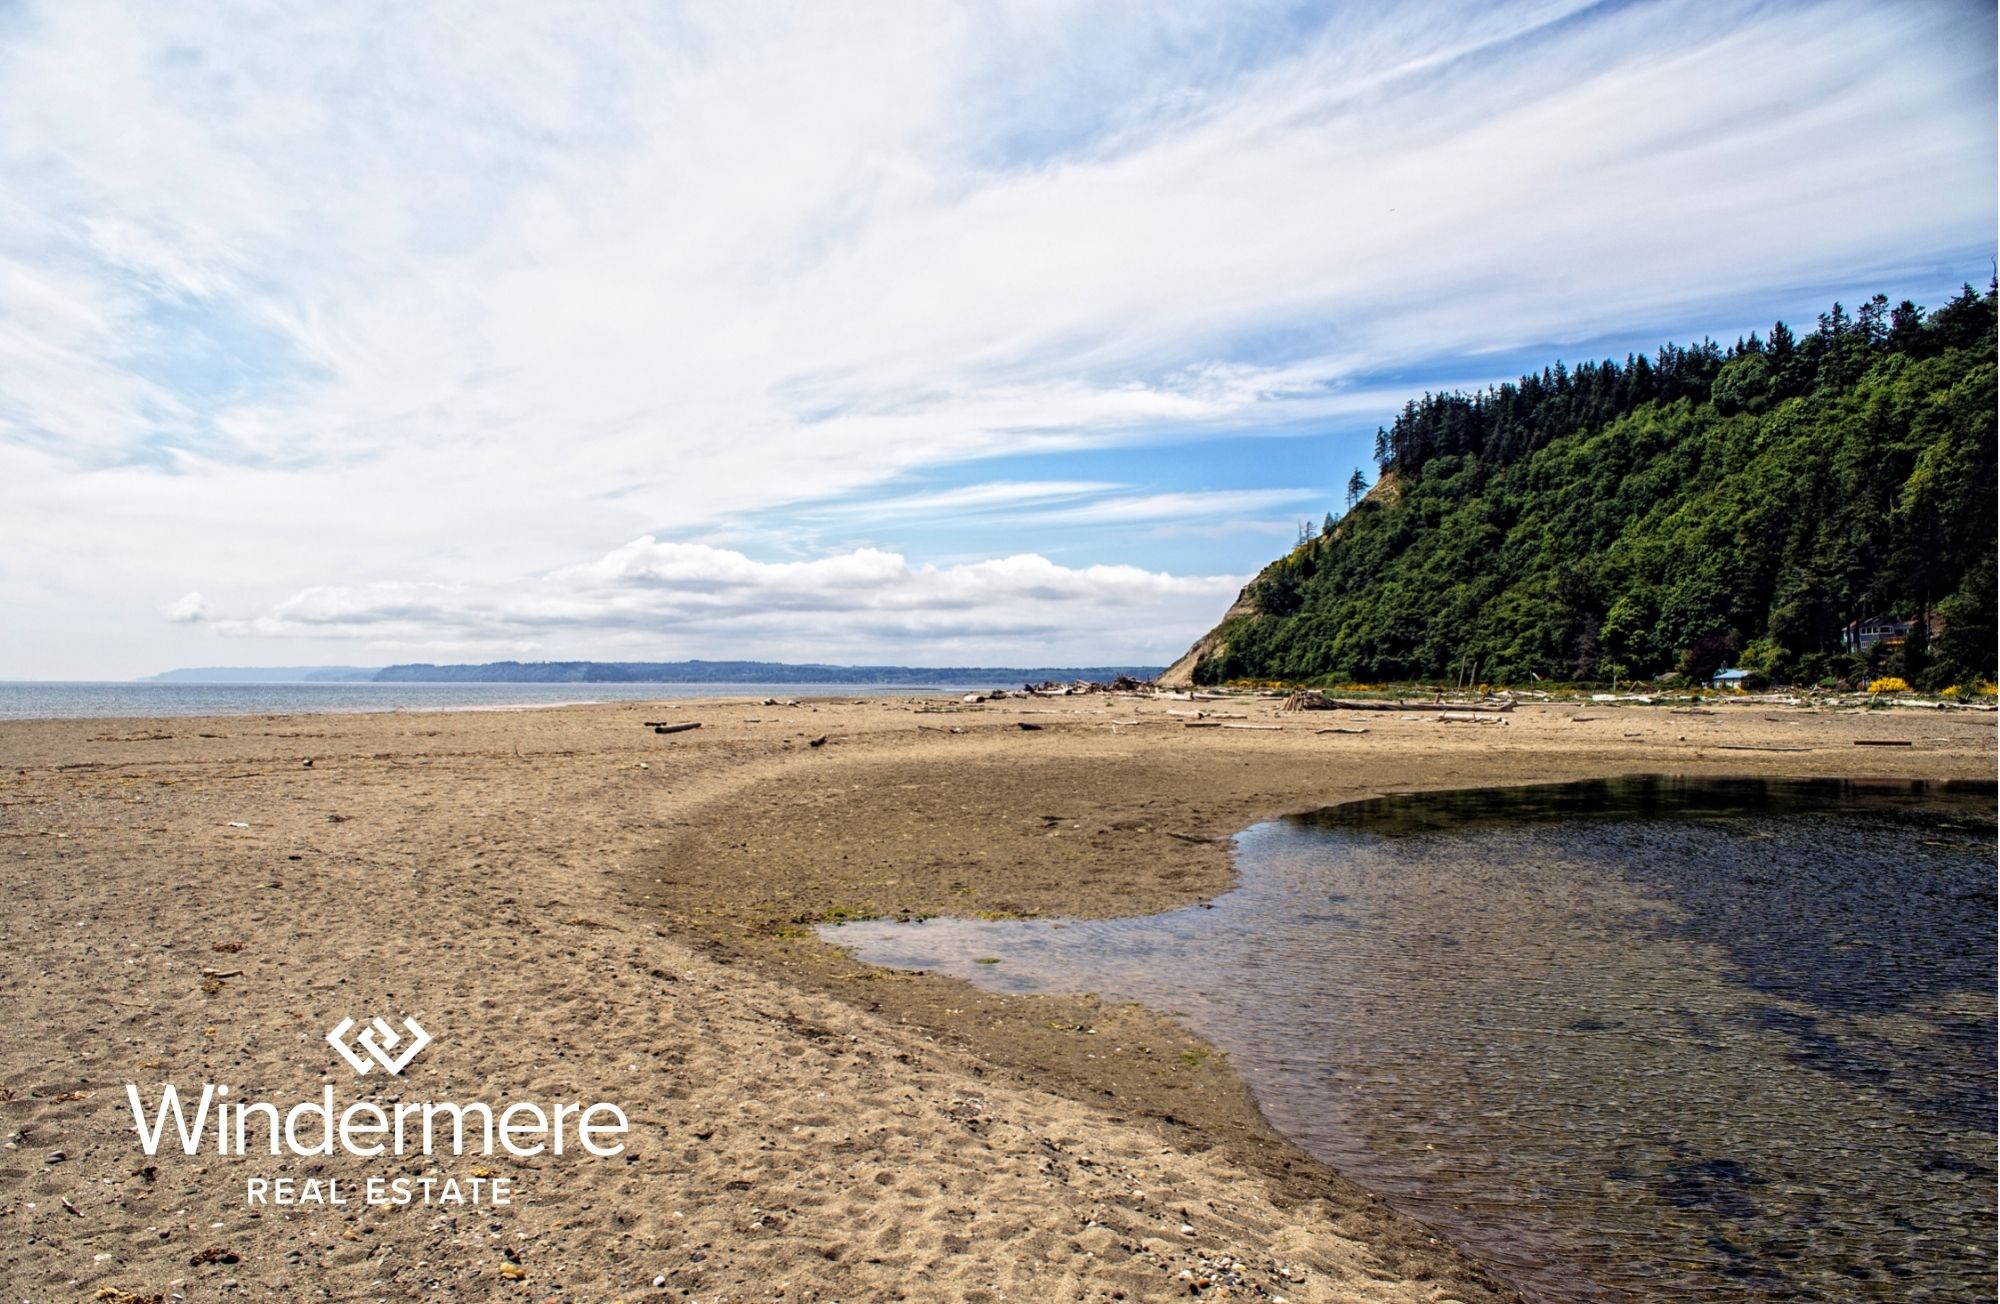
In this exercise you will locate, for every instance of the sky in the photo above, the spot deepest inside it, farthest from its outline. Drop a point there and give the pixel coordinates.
(933, 334)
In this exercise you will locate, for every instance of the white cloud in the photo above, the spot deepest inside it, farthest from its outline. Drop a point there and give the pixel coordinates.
(993, 496)
(681, 599)
(187, 609)
(1177, 507)
(451, 294)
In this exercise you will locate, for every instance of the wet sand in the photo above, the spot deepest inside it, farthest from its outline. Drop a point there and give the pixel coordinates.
(578, 908)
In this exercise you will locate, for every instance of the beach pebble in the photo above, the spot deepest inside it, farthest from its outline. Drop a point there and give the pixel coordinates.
(659, 1281)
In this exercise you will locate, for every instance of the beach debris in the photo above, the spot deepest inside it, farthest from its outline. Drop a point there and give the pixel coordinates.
(1753, 747)
(213, 1254)
(1027, 725)
(513, 1271)
(306, 764)
(238, 824)
(1201, 724)
(817, 742)
(1458, 718)
(1051, 688)
(662, 727)
(1253, 726)
(222, 973)
(1883, 742)
(1309, 699)
(1342, 729)
(226, 948)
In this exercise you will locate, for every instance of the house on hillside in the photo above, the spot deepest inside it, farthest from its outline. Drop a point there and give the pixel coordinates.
(1865, 633)
(1728, 679)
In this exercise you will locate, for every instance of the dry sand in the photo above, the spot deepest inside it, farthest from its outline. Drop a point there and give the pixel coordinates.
(580, 909)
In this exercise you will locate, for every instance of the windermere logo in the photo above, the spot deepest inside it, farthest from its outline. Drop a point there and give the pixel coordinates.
(215, 1122)
(379, 1040)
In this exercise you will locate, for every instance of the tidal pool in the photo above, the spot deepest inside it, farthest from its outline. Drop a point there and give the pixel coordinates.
(1640, 1039)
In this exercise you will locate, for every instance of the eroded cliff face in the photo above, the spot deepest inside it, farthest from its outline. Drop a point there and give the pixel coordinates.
(1181, 673)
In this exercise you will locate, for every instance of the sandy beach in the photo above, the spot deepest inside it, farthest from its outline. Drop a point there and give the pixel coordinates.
(578, 908)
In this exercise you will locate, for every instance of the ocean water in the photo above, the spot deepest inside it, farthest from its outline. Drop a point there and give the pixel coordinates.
(1641, 1040)
(45, 701)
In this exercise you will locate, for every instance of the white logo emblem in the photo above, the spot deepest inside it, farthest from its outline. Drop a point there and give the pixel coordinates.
(379, 1040)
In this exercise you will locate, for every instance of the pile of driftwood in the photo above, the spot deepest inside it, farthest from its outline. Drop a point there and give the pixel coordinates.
(1311, 699)
(1051, 688)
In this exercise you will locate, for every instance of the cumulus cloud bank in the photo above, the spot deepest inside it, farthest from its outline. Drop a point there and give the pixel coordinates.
(1025, 605)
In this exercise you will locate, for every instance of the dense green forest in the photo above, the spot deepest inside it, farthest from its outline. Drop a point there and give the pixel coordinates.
(1707, 506)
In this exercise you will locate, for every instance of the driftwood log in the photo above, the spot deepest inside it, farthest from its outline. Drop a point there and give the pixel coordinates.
(682, 727)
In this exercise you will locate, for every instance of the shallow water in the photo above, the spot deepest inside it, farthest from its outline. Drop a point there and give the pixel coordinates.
(1647, 1039)
(58, 701)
